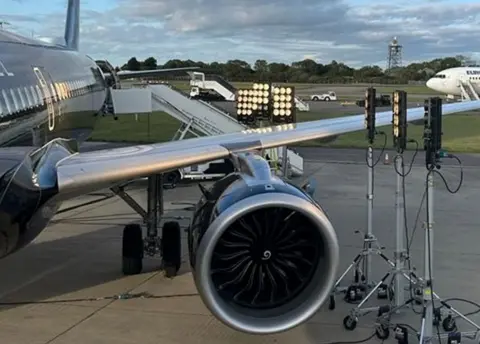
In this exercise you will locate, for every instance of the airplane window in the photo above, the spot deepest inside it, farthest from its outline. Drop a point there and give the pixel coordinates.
(22, 98)
(65, 89)
(36, 101)
(57, 90)
(54, 93)
(15, 101)
(40, 95)
(28, 96)
(7, 102)
(61, 91)
(69, 89)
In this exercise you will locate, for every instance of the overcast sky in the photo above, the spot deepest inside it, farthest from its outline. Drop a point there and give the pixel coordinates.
(356, 32)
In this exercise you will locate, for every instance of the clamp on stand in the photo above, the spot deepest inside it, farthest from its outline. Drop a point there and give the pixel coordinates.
(431, 316)
(397, 269)
(363, 281)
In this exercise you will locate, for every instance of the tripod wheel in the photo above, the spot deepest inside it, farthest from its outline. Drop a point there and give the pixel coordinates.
(449, 324)
(382, 332)
(350, 323)
(331, 304)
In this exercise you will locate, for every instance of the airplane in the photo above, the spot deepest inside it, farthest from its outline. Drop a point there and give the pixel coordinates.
(263, 253)
(449, 81)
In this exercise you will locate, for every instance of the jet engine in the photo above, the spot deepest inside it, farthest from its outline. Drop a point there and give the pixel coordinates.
(264, 254)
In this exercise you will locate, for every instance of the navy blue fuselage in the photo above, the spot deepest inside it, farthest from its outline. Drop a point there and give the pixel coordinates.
(46, 92)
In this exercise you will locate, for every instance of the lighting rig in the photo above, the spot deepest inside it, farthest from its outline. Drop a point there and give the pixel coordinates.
(431, 315)
(397, 268)
(267, 104)
(362, 277)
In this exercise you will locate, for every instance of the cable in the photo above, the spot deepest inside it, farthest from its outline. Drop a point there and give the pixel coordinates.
(365, 245)
(381, 152)
(429, 248)
(460, 183)
(408, 239)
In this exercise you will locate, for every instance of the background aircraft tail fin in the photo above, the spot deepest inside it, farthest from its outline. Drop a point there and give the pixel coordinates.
(72, 24)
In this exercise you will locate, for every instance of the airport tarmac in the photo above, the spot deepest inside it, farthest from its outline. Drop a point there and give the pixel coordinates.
(78, 257)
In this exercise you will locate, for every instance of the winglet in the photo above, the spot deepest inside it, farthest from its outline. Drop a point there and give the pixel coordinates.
(72, 24)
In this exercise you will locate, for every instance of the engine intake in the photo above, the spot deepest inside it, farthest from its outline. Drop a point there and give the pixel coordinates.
(266, 263)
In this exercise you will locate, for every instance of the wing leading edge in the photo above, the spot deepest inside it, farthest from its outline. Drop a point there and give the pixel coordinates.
(127, 74)
(84, 172)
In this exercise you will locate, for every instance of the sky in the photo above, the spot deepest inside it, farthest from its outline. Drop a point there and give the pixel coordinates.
(355, 32)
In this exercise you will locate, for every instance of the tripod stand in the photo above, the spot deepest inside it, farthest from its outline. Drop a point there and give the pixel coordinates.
(362, 277)
(397, 269)
(430, 315)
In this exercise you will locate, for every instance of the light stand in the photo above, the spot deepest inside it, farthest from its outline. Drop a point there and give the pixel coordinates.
(399, 126)
(363, 281)
(433, 145)
(430, 317)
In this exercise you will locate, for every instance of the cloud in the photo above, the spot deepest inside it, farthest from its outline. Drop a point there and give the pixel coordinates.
(350, 31)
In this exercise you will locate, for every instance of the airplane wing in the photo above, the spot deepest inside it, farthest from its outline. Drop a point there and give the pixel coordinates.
(126, 74)
(84, 172)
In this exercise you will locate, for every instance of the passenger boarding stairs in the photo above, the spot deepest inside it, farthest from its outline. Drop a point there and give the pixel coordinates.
(468, 91)
(226, 89)
(215, 83)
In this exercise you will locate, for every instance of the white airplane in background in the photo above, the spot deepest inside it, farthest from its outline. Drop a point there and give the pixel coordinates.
(451, 81)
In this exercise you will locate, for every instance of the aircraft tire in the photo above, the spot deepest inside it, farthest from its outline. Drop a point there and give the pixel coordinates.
(171, 248)
(132, 250)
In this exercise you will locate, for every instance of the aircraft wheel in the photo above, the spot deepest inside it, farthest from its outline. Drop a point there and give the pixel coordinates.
(172, 178)
(132, 250)
(171, 248)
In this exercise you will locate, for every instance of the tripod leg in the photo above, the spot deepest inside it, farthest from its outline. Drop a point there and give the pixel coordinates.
(453, 310)
(422, 329)
(355, 262)
(369, 295)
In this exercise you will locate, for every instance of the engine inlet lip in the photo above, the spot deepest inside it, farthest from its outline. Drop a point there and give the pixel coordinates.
(239, 321)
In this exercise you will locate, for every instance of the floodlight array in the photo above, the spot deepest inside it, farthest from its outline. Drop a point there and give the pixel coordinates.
(266, 102)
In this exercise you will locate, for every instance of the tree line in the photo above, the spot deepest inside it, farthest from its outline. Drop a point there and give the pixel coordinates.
(307, 71)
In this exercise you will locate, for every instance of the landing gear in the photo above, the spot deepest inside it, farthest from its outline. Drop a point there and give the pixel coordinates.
(171, 248)
(132, 250)
(134, 246)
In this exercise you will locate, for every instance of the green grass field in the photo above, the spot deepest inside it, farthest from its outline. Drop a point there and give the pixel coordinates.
(462, 132)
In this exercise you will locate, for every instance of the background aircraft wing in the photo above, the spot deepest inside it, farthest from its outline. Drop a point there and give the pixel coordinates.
(126, 74)
(84, 172)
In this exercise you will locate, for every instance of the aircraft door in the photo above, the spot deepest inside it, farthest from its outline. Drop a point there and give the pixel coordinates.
(51, 97)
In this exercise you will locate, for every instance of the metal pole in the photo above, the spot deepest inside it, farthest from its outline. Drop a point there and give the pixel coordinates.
(399, 242)
(427, 291)
(160, 195)
(152, 201)
(285, 162)
(368, 258)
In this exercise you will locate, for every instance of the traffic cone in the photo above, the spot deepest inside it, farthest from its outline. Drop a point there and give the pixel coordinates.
(386, 160)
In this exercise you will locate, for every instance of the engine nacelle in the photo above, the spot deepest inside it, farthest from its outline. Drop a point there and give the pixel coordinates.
(264, 255)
